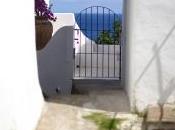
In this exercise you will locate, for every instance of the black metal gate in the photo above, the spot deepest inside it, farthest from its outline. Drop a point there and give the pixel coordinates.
(97, 50)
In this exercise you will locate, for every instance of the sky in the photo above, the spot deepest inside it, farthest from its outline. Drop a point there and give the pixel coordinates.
(75, 6)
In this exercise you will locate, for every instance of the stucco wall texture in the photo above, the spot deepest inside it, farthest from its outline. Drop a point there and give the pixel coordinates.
(20, 93)
(55, 61)
(150, 52)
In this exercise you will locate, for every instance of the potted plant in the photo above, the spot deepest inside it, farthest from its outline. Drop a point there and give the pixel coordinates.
(43, 25)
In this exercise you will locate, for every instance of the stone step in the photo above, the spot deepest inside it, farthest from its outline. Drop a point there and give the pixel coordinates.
(158, 113)
(83, 86)
(161, 117)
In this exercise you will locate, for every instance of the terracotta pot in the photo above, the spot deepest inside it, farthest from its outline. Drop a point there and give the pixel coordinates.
(44, 30)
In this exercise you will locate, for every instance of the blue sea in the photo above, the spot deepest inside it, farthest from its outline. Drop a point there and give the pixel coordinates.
(93, 24)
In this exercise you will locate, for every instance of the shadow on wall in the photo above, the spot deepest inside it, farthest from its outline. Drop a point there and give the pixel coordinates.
(55, 63)
(164, 92)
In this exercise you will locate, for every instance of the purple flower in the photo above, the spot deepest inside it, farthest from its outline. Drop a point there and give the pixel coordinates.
(42, 9)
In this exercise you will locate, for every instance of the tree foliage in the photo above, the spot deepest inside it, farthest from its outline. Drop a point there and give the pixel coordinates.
(111, 37)
(104, 38)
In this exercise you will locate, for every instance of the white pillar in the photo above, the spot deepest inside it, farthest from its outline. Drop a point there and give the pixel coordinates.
(20, 94)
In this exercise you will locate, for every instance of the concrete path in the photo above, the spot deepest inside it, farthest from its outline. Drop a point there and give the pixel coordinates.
(66, 113)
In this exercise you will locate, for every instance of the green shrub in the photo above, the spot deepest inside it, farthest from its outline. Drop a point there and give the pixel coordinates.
(103, 121)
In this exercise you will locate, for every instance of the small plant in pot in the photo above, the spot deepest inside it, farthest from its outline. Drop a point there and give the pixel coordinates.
(43, 25)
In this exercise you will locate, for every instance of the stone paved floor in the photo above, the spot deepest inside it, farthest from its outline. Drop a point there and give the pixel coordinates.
(66, 113)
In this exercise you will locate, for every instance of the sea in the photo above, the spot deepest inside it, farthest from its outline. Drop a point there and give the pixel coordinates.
(93, 24)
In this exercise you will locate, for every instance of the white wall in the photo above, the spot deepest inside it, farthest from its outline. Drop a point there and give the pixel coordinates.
(55, 61)
(150, 52)
(20, 94)
(127, 35)
(101, 56)
(63, 19)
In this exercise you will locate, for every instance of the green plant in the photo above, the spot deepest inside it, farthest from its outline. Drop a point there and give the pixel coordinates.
(103, 121)
(117, 32)
(104, 38)
(111, 38)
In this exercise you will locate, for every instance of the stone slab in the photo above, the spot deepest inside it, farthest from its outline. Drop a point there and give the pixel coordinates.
(154, 113)
(169, 113)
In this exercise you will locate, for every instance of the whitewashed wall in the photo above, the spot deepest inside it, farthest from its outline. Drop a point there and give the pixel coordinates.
(20, 95)
(150, 52)
(55, 61)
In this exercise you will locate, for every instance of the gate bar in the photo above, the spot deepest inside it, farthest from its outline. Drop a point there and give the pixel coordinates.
(114, 48)
(97, 43)
(109, 34)
(103, 48)
(85, 39)
(91, 42)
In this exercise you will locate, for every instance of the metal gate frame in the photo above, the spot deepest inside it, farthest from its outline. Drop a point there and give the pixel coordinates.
(86, 12)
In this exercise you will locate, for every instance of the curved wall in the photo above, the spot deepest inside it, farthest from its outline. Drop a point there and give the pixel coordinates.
(55, 61)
